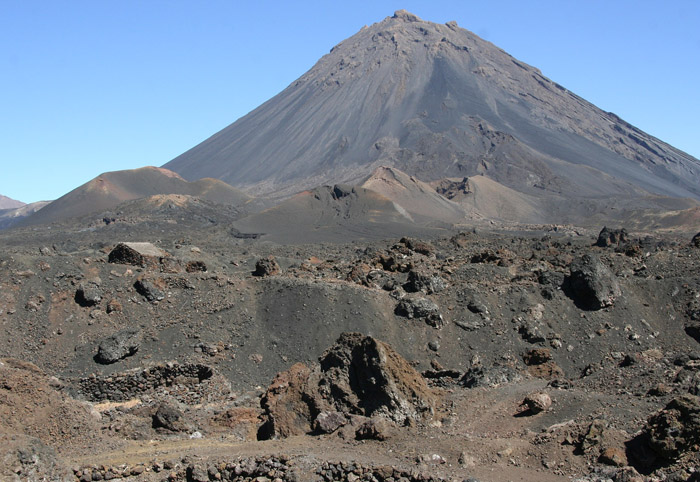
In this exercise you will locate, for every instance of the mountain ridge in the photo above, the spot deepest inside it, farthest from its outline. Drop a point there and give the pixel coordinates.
(9, 203)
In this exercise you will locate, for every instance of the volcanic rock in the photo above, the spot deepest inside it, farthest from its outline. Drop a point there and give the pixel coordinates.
(373, 429)
(170, 418)
(137, 254)
(88, 293)
(537, 402)
(195, 266)
(611, 237)
(266, 267)
(364, 375)
(416, 307)
(591, 284)
(120, 345)
(149, 289)
(329, 421)
(696, 241)
(424, 281)
(537, 356)
(613, 456)
(418, 246)
(358, 375)
(288, 407)
(479, 375)
(676, 429)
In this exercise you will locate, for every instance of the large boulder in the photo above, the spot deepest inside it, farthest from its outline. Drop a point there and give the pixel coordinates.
(88, 293)
(170, 418)
(137, 254)
(359, 375)
(611, 237)
(120, 345)
(266, 267)
(591, 284)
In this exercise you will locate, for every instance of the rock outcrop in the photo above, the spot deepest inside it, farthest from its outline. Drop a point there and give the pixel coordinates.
(359, 375)
(611, 237)
(591, 284)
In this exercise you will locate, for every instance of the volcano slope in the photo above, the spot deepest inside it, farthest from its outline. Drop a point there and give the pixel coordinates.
(547, 357)
(436, 101)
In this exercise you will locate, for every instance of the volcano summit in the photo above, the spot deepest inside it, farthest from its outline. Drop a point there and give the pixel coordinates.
(436, 101)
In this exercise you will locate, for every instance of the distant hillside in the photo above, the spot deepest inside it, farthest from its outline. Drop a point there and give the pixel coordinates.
(108, 190)
(9, 203)
(333, 213)
(11, 217)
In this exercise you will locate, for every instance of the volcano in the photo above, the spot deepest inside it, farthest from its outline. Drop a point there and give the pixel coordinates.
(110, 189)
(436, 101)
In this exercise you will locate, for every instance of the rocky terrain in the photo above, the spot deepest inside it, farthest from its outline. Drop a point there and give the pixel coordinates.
(470, 275)
(167, 345)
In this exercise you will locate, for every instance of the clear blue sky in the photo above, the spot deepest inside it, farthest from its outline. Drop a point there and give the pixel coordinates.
(94, 86)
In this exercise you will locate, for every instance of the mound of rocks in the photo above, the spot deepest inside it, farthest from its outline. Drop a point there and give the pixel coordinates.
(266, 267)
(675, 430)
(35, 410)
(359, 375)
(133, 383)
(329, 471)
